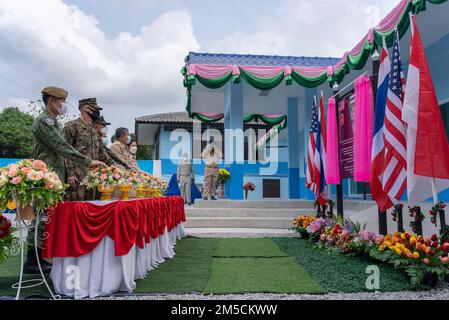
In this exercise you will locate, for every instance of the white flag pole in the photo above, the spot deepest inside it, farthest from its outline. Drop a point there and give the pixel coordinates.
(434, 191)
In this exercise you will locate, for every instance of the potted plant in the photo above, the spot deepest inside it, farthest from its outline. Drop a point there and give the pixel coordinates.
(249, 186)
(30, 183)
(223, 177)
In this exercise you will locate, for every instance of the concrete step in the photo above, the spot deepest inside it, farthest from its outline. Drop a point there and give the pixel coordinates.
(277, 204)
(239, 232)
(256, 204)
(238, 222)
(192, 212)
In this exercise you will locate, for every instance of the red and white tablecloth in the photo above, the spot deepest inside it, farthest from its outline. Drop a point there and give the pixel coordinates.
(101, 247)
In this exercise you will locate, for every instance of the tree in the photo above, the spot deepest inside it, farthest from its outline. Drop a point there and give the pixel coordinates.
(16, 138)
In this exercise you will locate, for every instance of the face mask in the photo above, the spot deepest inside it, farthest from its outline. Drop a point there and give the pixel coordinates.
(133, 150)
(129, 139)
(64, 108)
(105, 141)
(95, 115)
(104, 131)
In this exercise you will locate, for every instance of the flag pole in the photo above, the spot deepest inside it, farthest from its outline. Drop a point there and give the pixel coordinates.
(434, 191)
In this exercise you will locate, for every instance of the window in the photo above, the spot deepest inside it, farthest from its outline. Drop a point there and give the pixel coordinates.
(271, 188)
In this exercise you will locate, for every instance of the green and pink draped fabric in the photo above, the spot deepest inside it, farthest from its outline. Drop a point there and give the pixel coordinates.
(363, 128)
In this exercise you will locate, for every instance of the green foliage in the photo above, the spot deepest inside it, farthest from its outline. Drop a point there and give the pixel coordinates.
(16, 138)
(144, 152)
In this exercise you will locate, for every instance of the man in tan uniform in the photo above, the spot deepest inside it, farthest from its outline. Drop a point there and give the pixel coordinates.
(120, 148)
(185, 175)
(100, 125)
(81, 134)
(212, 156)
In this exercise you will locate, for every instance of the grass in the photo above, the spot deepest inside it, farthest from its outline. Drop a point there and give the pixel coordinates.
(340, 273)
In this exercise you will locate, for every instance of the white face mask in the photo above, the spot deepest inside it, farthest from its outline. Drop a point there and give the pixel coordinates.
(104, 131)
(129, 139)
(64, 108)
(133, 150)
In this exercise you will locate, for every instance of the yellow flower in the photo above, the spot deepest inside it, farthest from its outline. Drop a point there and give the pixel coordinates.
(416, 255)
(398, 251)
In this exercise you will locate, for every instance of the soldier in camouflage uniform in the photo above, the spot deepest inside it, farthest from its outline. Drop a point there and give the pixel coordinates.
(81, 135)
(49, 146)
(100, 125)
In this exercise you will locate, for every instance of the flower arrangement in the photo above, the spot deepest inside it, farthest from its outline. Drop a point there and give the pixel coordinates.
(6, 237)
(157, 186)
(249, 186)
(301, 223)
(105, 177)
(435, 210)
(418, 218)
(397, 209)
(223, 176)
(419, 257)
(32, 182)
(424, 260)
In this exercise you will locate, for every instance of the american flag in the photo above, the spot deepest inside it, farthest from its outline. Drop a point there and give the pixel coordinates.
(316, 158)
(395, 175)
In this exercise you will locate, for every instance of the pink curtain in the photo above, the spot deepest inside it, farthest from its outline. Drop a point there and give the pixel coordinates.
(332, 163)
(363, 129)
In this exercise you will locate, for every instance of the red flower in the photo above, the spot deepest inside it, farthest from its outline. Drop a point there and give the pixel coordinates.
(434, 237)
(5, 225)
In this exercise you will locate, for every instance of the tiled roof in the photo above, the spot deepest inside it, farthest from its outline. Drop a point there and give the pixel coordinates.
(182, 116)
(174, 117)
(259, 60)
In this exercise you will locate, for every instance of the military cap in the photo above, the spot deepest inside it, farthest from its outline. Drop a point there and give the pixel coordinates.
(91, 102)
(102, 121)
(55, 92)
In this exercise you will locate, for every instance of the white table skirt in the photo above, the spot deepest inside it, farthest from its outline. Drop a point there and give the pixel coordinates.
(101, 273)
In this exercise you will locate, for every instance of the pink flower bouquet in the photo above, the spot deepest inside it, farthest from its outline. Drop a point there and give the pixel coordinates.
(28, 182)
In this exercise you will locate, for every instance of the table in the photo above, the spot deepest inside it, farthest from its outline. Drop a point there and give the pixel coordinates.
(99, 248)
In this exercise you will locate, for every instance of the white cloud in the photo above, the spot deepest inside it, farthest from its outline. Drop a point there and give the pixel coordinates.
(135, 75)
(307, 27)
(68, 48)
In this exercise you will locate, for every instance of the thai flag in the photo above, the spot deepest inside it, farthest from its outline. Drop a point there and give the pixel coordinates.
(427, 144)
(378, 151)
(316, 158)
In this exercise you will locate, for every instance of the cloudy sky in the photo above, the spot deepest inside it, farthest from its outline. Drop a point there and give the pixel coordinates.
(129, 53)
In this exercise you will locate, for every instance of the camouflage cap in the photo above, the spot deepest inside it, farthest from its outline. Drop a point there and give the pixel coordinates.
(102, 121)
(55, 92)
(91, 102)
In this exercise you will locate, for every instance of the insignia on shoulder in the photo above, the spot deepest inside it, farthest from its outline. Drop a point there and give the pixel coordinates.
(50, 121)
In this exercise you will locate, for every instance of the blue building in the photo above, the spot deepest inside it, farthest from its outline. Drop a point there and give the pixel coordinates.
(245, 92)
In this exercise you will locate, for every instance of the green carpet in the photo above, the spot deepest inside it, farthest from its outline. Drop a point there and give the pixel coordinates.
(188, 272)
(340, 273)
(276, 275)
(248, 248)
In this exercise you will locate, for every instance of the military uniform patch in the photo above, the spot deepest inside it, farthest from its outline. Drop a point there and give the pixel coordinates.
(50, 121)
